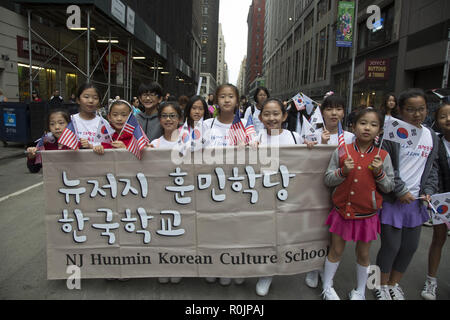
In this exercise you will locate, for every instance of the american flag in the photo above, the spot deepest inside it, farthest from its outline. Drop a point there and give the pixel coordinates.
(250, 130)
(139, 140)
(46, 138)
(341, 141)
(69, 137)
(237, 130)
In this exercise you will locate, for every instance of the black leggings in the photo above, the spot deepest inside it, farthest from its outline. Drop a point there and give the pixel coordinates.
(397, 248)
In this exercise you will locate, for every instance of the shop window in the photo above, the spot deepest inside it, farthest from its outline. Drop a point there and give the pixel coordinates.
(71, 84)
(44, 82)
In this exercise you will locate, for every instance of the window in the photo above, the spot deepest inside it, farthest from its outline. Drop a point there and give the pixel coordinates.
(309, 21)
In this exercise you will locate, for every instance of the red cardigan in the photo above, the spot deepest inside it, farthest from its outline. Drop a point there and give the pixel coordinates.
(357, 197)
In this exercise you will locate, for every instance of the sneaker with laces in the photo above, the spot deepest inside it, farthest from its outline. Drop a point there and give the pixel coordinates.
(330, 294)
(382, 293)
(163, 280)
(263, 286)
(356, 295)
(429, 290)
(225, 281)
(312, 279)
(210, 279)
(175, 280)
(396, 292)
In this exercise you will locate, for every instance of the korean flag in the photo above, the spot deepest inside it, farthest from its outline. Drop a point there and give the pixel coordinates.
(401, 132)
(441, 207)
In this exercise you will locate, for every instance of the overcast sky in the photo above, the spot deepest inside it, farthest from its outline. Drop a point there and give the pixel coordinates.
(233, 17)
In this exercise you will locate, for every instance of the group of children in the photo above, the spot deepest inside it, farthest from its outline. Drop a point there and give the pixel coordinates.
(375, 191)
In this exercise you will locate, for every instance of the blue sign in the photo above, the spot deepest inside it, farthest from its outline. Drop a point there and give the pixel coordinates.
(10, 119)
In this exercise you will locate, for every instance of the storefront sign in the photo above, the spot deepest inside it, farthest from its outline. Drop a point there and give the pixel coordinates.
(377, 69)
(130, 20)
(118, 10)
(42, 52)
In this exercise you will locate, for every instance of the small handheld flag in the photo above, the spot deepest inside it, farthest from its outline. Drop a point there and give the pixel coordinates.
(250, 130)
(237, 130)
(341, 142)
(69, 137)
(46, 138)
(139, 140)
(401, 132)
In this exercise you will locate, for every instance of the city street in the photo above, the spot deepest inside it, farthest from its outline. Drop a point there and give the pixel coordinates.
(23, 263)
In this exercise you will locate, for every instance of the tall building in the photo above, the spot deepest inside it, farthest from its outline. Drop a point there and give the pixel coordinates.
(255, 45)
(241, 77)
(145, 47)
(221, 64)
(209, 41)
(298, 39)
(407, 50)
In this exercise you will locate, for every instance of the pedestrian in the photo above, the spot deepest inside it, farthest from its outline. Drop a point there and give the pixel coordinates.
(196, 110)
(2, 96)
(439, 227)
(389, 106)
(182, 102)
(273, 114)
(118, 115)
(212, 108)
(87, 121)
(135, 106)
(57, 121)
(35, 97)
(169, 115)
(150, 96)
(56, 99)
(333, 112)
(73, 98)
(405, 209)
(261, 95)
(227, 98)
(358, 176)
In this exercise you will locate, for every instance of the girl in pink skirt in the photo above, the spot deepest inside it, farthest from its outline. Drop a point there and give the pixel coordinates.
(358, 172)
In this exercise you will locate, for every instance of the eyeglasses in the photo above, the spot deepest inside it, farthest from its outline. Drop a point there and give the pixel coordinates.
(169, 116)
(149, 95)
(414, 111)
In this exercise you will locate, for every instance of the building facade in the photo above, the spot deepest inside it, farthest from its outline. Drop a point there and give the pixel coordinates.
(255, 43)
(222, 68)
(144, 47)
(209, 41)
(241, 77)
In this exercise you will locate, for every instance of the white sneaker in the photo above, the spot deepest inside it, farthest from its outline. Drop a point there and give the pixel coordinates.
(239, 281)
(429, 290)
(356, 295)
(175, 280)
(210, 279)
(428, 223)
(330, 294)
(383, 293)
(263, 286)
(225, 281)
(163, 280)
(312, 279)
(396, 292)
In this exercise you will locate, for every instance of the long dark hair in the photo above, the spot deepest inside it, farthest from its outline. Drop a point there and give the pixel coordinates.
(227, 85)
(187, 111)
(384, 107)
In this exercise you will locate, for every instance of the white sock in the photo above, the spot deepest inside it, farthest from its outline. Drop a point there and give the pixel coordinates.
(362, 274)
(431, 279)
(328, 273)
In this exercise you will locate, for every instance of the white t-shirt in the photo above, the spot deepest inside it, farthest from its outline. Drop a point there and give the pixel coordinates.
(284, 139)
(216, 132)
(259, 126)
(348, 137)
(413, 162)
(163, 143)
(86, 129)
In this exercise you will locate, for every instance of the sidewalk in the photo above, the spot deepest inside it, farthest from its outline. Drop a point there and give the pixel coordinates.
(12, 150)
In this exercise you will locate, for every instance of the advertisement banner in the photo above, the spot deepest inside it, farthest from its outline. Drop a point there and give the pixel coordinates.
(345, 21)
